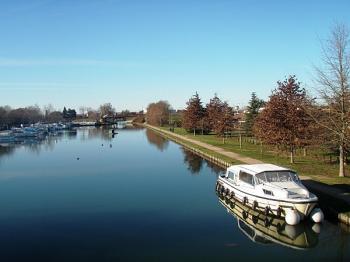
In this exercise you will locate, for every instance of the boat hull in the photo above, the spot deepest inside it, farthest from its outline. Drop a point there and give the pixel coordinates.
(264, 204)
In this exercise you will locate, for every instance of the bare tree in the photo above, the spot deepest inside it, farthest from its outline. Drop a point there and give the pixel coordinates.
(47, 109)
(107, 110)
(83, 111)
(333, 86)
(158, 113)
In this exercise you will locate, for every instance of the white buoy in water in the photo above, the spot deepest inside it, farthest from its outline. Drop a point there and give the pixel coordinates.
(292, 217)
(316, 215)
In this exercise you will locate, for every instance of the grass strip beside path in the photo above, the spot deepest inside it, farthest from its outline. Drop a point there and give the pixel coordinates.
(250, 153)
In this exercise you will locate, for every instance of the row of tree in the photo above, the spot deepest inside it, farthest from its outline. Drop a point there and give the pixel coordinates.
(216, 116)
(291, 118)
(32, 114)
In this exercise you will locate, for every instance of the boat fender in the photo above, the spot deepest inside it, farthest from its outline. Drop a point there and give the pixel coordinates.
(292, 217)
(266, 222)
(245, 200)
(316, 228)
(232, 194)
(255, 219)
(292, 231)
(316, 215)
(232, 204)
(267, 210)
(279, 228)
(222, 189)
(279, 212)
(227, 192)
(219, 187)
(255, 205)
(245, 215)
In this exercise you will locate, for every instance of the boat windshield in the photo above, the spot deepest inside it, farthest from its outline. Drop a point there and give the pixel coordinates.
(276, 176)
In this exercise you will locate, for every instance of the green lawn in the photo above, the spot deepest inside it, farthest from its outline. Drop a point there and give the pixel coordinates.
(310, 165)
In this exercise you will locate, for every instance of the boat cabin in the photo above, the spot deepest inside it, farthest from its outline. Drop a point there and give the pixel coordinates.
(252, 175)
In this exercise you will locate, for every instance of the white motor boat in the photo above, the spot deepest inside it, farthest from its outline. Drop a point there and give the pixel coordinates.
(271, 189)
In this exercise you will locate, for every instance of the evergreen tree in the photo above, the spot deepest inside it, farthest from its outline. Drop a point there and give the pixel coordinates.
(253, 110)
(64, 112)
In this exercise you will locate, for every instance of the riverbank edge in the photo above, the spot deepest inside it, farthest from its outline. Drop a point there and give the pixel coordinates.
(323, 191)
(213, 158)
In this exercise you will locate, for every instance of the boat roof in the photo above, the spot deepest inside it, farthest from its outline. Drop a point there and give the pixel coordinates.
(258, 168)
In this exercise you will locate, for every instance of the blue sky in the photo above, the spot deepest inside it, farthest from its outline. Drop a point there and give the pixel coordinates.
(133, 52)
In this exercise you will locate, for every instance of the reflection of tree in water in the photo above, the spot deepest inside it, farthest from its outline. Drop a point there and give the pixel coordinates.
(71, 134)
(6, 151)
(160, 142)
(103, 132)
(215, 168)
(34, 146)
(193, 161)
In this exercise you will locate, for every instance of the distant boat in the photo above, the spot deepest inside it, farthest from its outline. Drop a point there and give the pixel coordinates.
(6, 137)
(121, 124)
(271, 189)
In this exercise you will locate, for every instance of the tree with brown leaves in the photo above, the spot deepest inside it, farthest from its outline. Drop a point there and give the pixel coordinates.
(193, 115)
(284, 121)
(220, 116)
(225, 121)
(158, 113)
(214, 111)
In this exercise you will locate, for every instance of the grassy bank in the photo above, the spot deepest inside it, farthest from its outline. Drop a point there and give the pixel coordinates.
(310, 165)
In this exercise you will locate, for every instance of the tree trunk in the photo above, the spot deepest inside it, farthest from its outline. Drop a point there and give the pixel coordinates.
(240, 140)
(341, 161)
(305, 153)
(194, 131)
(261, 148)
(291, 156)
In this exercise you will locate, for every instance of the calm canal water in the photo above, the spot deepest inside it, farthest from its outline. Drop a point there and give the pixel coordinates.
(85, 196)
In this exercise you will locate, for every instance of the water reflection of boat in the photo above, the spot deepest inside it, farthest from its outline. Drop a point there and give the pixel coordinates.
(121, 124)
(269, 229)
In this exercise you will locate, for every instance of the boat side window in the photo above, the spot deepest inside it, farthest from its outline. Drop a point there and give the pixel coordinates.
(247, 178)
(260, 178)
(231, 175)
